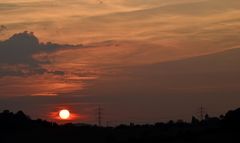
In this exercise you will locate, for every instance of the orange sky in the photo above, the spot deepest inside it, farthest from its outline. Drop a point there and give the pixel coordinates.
(121, 39)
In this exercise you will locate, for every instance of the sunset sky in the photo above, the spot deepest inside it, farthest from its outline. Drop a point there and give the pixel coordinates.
(143, 61)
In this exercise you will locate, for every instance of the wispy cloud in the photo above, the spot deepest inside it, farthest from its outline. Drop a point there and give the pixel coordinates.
(24, 63)
(17, 55)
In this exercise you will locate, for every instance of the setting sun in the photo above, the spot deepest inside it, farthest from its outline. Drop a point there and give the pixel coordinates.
(64, 114)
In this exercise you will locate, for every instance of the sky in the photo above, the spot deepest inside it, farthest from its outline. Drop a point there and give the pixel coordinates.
(143, 61)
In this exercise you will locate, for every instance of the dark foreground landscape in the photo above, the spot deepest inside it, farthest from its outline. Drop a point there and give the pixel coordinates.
(17, 127)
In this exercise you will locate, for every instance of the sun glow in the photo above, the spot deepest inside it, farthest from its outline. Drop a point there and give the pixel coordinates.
(64, 114)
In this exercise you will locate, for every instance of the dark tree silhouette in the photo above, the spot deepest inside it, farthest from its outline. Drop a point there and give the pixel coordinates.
(18, 127)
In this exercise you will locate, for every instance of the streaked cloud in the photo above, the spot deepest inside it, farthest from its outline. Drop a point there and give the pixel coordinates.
(132, 49)
(24, 64)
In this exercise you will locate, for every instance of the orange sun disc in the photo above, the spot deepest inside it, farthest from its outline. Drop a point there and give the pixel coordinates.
(64, 114)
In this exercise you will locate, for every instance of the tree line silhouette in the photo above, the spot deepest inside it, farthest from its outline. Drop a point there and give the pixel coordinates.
(18, 127)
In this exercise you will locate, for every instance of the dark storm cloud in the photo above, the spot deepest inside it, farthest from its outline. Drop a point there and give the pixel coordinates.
(16, 55)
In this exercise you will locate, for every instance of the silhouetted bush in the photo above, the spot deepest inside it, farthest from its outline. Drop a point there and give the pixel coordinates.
(18, 127)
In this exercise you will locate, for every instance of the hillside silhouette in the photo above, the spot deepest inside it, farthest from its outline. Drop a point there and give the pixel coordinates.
(18, 127)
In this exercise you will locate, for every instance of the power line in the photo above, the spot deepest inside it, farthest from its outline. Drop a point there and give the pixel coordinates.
(201, 112)
(99, 117)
